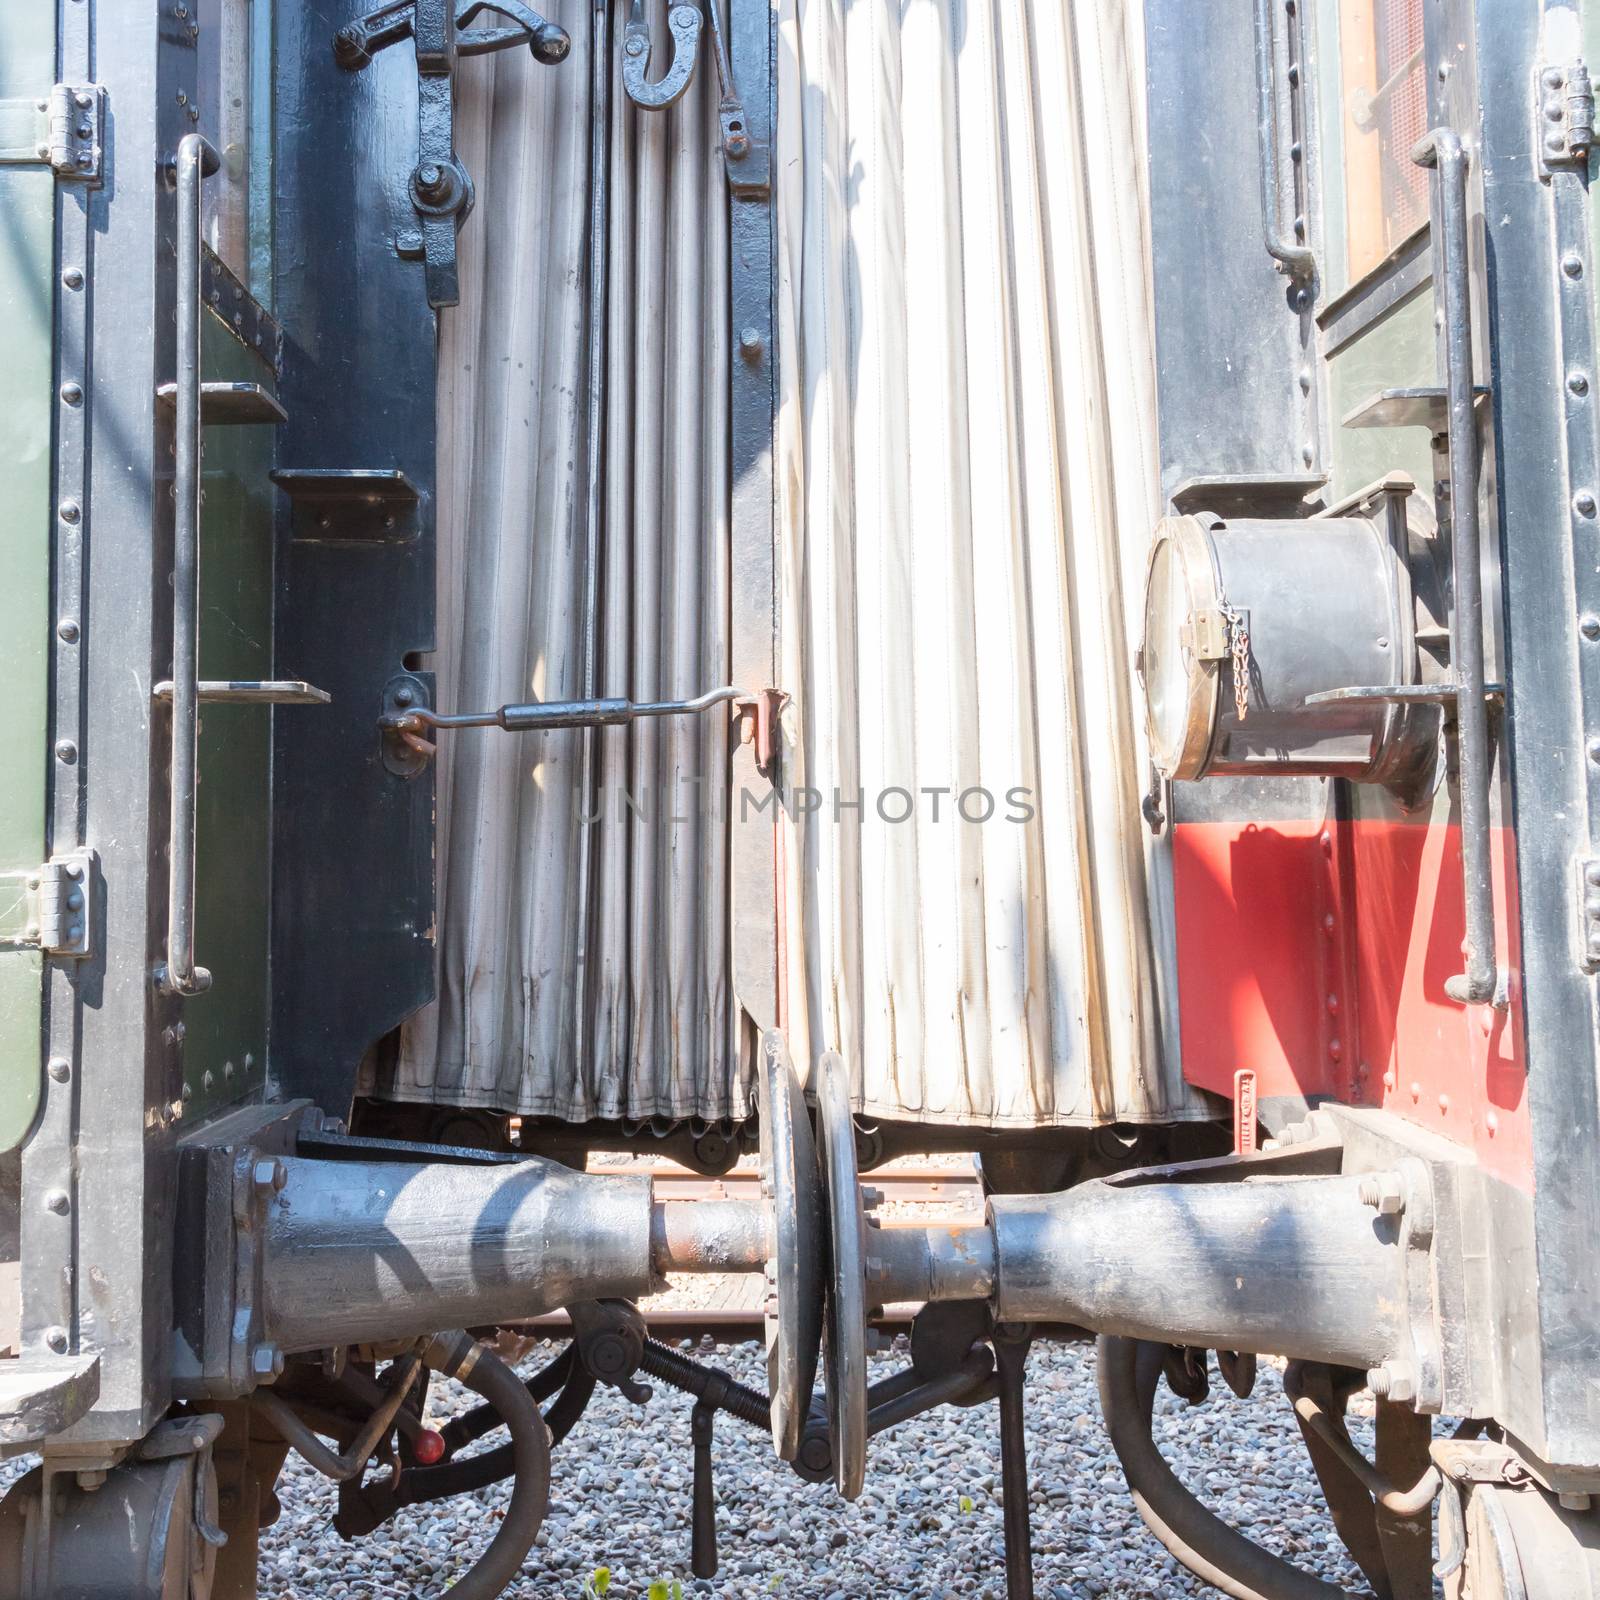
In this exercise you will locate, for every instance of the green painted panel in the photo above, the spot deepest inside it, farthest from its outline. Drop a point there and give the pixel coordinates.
(1394, 353)
(225, 1041)
(27, 235)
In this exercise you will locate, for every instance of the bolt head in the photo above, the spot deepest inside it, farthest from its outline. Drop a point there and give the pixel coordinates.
(269, 1175)
(1573, 1500)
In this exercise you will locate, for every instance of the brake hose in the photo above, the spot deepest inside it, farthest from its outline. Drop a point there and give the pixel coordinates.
(458, 1355)
(1129, 1371)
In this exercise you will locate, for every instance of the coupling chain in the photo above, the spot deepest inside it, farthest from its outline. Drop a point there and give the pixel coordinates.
(1239, 656)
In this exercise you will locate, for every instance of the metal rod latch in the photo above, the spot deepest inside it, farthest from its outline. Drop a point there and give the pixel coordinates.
(408, 722)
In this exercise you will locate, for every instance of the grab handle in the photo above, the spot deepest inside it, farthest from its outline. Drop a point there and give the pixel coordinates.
(1296, 259)
(197, 159)
(1442, 150)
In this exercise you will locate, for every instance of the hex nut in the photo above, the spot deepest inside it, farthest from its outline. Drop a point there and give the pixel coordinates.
(269, 1175)
(1394, 1380)
(1384, 1192)
(266, 1362)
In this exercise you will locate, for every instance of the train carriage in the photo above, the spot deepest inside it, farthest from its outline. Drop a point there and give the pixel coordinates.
(774, 581)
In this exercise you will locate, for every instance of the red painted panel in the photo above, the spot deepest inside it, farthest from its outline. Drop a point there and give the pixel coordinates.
(1459, 1070)
(1251, 901)
(1316, 956)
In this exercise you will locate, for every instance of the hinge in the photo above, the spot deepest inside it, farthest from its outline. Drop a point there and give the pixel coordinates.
(51, 908)
(64, 130)
(1566, 116)
(1589, 914)
(1205, 634)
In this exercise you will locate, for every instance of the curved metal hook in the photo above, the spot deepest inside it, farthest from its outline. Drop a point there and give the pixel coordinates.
(685, 23)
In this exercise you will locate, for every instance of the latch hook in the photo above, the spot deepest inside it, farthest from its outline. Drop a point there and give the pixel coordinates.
(684, 22)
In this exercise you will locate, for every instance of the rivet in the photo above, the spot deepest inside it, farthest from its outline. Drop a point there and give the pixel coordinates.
(1327, 924)
(67, 631)
(70, 512)
(1492, 1123)
(1555, 143)
(1552, 77)
(1572, 264)
(750, 342)
(1594, 749)
(404, 695)
(207, 1078)
(66, 751)
(1333, 1005)
(1444, 1102)
(1307, 454)
(1326, 841)
(73, 277)
(1583, 502)
(1388, 1079)
(183, 99)
(60, 1069)
(58, 1202)
(1335, 1049)
(56, 1338)
(72, 393)
(1578, 382)
(1416, 1091)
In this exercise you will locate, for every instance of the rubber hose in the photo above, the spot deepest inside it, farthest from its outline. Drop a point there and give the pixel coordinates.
(473, 1424)
(1129, 1371)
(460, 1356)
(419, 1485)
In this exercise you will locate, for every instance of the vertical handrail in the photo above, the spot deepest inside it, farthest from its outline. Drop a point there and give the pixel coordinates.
(1441, 149)
(1297, 259)
(197, 159)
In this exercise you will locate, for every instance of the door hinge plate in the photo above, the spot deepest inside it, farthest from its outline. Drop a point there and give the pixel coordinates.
(51, 908)
(63, 130)
(1566, 116)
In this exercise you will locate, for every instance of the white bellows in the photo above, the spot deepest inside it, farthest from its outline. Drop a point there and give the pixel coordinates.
(965, 479)
(968, 481)
(643, 1026)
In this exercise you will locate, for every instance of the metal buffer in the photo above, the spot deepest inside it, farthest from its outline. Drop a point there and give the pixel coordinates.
(441, 188)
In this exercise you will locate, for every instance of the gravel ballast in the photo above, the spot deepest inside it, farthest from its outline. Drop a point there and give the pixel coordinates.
(620, 1499)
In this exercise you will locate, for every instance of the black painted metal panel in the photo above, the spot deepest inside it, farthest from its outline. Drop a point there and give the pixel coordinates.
(353, 949)
(1229, 345)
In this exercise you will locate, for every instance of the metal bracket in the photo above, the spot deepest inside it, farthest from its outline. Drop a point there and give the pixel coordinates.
(41, 1395)
(54, 907)
(440, 187)
(1566, 116)
(1589, 914)
(684, 23)
(1205, 634)
(64, 131)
